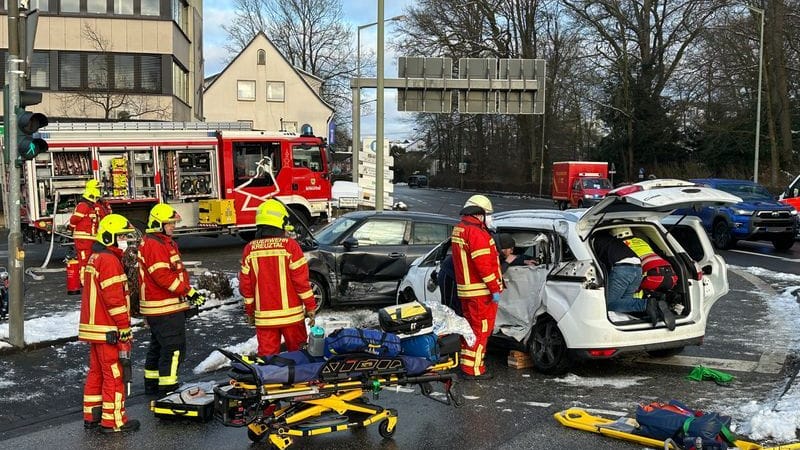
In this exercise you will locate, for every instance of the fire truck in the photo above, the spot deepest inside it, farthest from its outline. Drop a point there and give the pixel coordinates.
(214, 175)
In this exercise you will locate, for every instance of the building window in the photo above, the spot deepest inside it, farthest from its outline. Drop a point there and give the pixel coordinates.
(70, 6)
(275, 91)
(112, 72)
(262, 58)
(69, 70)
(124, 72)
(41, 5)
(179, 15)
(96, 6)
(246, 90)
(249, 123)
(150, 72)
(123, 6)
(180, 82)
(40, 70)
(151, 7)
(97, 71)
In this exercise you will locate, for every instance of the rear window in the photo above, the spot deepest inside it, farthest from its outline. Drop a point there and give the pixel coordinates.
(687, 237)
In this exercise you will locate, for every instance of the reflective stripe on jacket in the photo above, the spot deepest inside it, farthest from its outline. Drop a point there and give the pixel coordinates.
(85, 219)
(274, 282)
(105, 303)
(475, 259)
(163, 279)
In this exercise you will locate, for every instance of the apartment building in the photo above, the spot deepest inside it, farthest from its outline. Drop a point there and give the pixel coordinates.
(115, 59)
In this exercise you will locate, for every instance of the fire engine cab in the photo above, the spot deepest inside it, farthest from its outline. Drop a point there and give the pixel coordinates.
(214, 175)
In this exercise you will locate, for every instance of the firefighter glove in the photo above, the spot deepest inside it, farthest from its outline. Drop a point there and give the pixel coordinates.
(496, 297)
(251, 320)
(125, 335)
(311, 315)
(195, 298)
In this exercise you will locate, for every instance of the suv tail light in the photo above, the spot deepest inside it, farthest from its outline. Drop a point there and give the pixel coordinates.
(625, 190)
(602, 353)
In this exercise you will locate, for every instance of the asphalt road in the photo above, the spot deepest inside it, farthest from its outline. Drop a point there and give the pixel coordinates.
(40, 396)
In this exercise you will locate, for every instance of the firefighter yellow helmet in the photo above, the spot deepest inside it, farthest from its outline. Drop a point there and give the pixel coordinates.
(622, 232)
(272, 213)
(110, 227)
(161, 214)
(92, 190)
(477, 204)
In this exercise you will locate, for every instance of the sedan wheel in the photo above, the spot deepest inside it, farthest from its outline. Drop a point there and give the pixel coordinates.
(723, 239)
(320, 290)
(548, 348)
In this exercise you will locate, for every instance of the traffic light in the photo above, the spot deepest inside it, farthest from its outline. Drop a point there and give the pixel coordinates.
(29, 145)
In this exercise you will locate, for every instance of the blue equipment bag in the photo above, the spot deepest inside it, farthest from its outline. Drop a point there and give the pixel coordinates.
(285, 368)
(358, 340)
(424, 346)
(676, 420)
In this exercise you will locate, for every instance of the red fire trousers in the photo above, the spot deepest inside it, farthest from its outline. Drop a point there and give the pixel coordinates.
(480, 312)
(104, 387)
(269, 339)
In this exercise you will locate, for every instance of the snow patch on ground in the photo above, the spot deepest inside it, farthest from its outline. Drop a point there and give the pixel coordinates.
(615, 382)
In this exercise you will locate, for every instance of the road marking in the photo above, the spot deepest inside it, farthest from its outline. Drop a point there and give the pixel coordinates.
(769, 362)
(766, 256)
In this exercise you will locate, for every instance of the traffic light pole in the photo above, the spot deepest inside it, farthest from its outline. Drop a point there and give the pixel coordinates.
(16, 254)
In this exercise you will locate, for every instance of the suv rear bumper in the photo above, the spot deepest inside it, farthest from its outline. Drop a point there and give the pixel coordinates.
(584, 353)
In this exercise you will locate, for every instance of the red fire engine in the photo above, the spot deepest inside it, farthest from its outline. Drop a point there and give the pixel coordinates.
(214, 175)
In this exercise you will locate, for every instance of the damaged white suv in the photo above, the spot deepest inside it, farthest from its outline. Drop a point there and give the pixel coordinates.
(556, 310)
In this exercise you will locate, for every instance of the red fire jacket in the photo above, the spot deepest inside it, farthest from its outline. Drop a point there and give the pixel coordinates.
(105, 301)
(274, 282)
(475, 259)
(85, 219)
(163, 279)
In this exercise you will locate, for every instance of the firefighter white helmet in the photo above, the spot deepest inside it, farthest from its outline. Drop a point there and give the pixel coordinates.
(477, 204)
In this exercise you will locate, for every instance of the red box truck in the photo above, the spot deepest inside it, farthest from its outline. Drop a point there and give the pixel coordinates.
(579, 184)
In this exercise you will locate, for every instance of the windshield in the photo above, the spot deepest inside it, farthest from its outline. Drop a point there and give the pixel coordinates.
(331, 232)
(747, 192)
(596, 183)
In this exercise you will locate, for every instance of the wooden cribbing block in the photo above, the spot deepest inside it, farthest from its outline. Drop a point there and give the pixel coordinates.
(519, 360)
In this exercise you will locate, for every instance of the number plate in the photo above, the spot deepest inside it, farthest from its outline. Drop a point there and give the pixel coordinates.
(777, 229)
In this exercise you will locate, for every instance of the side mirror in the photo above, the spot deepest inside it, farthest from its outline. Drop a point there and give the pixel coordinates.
(350, 243)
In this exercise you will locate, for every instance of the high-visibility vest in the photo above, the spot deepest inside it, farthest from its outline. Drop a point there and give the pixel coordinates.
(105, 301)
(657, 271)
(163, 279)
(274, 282)
(475, 260)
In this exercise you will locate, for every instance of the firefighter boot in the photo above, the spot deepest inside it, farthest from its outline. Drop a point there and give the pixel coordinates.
(130, 425)
(97, 413)
(666, 314)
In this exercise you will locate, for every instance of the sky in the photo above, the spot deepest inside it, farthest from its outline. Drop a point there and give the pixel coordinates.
(397, 125)
(774, 418)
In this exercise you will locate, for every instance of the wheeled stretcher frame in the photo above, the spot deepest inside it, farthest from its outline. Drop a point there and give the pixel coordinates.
(279, 411)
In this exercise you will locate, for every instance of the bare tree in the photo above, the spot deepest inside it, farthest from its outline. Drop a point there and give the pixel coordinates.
(101, 93)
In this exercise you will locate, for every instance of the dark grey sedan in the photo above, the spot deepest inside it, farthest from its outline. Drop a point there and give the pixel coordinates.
(360, 257)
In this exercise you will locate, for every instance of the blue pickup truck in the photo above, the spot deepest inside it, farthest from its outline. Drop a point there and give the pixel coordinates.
(759, 217)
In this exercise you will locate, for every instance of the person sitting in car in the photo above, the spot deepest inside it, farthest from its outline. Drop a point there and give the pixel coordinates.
(507, 257)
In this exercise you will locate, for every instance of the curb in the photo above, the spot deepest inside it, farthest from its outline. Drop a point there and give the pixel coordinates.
(4, 351)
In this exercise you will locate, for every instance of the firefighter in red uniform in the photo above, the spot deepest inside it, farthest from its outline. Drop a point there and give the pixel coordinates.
(478, 280)
(106, 325)
(274, 282)
(83, 222)
(163, 286)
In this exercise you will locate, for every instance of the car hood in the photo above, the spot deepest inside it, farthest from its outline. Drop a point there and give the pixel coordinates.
(767, 205)
(651, 199)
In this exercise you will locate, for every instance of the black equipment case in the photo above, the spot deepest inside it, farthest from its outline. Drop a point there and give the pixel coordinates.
(191, 403)
(406, 318)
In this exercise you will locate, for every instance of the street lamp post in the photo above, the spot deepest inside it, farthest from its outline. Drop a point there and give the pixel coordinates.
(357, 96)
(758, 102)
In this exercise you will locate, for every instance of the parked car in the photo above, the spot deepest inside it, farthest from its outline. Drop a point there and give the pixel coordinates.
(417, 181)
(758, 217)
(360, 257)
(556, 309)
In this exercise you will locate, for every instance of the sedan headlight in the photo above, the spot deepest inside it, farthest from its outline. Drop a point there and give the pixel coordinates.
(743, 212)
